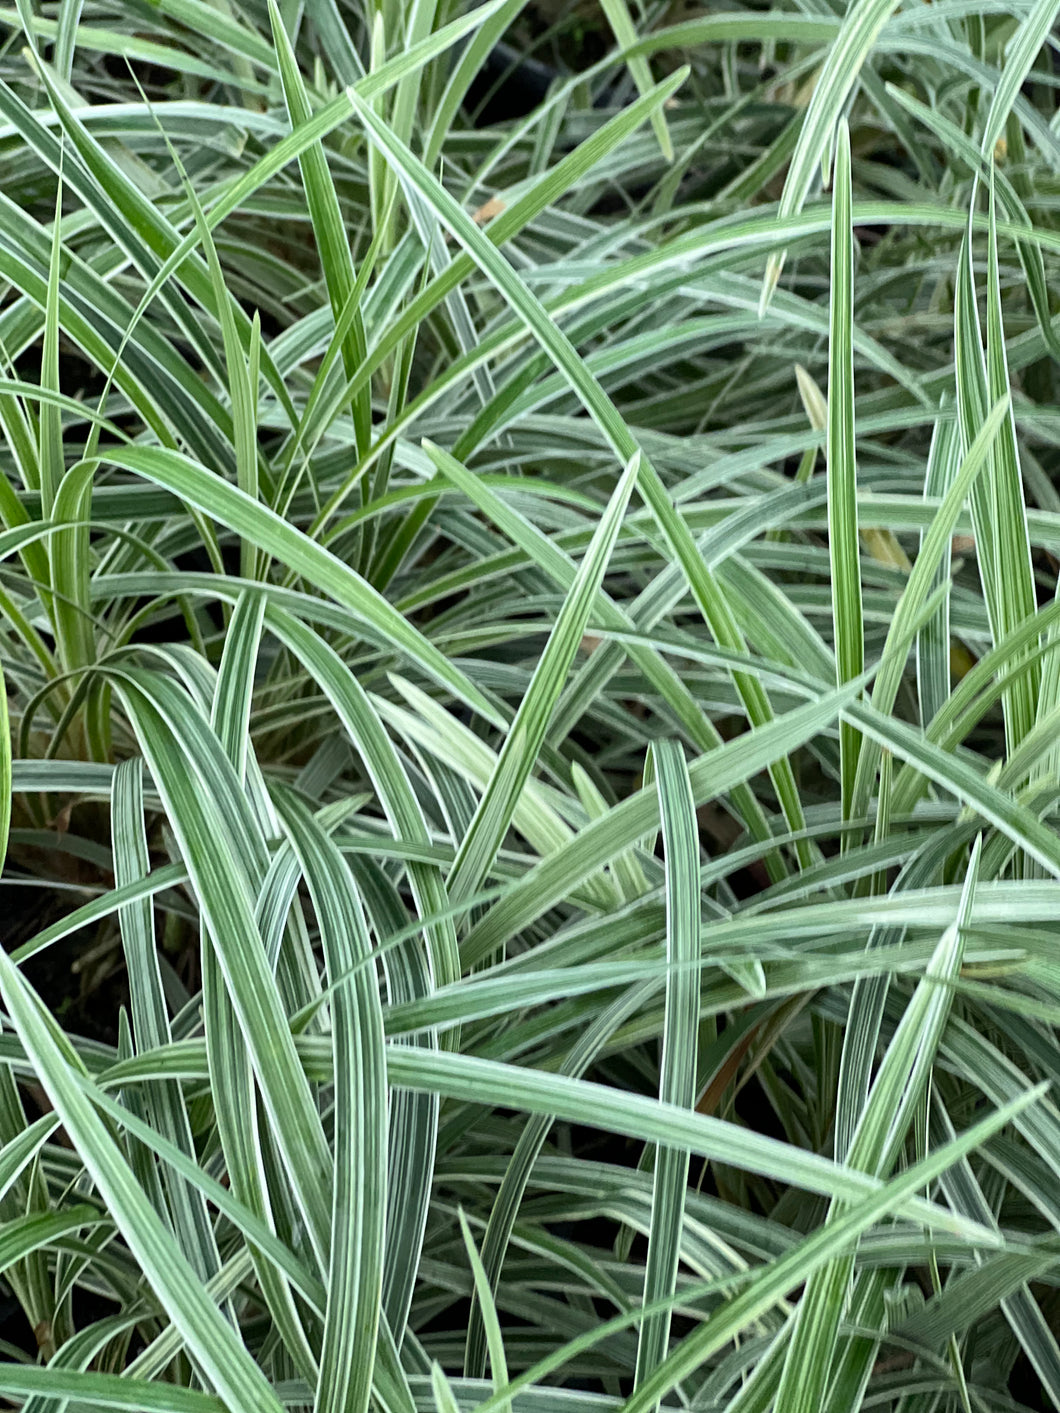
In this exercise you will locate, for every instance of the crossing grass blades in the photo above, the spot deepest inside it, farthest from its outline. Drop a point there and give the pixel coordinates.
(532, 666)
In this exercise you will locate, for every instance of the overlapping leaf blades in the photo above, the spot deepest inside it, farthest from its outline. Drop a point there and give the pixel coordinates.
(483, 829)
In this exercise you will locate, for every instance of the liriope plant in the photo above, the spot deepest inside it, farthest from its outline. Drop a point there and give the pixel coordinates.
(529, 655)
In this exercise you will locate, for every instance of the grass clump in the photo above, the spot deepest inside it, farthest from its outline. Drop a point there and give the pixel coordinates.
(528, 615)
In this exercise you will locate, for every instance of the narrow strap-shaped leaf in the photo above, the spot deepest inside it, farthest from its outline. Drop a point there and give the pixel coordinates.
(677, 1068)
(50, 454)
(358, 1215)
(169, 876)
(5, 770)
(490, 1321)
(516, 216)
(842, 465)
(88, 1389)
(466, 67)
(998, 510)
(80, 1352)
(413, 1130)
(66, 37)
(1018, 596)
(1020, 54)
(149, 1012)
(923, 579)
(624, 30)
(859, 30)
(235, 1092)
(523, 742)
(1014, 188)
(177, 758)
(329, 230)
(933, 639)
(242, 372)
(69, 549)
